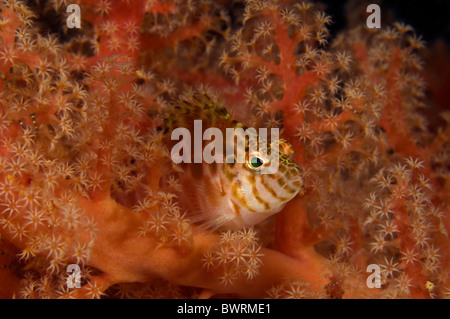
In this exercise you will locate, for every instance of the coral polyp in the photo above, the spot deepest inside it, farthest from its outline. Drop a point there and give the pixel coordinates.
(87, 180)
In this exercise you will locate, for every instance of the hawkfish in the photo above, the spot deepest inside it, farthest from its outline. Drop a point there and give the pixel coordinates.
(231, 194)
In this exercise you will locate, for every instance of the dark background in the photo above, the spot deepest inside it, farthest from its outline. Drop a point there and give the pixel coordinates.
(430, 18)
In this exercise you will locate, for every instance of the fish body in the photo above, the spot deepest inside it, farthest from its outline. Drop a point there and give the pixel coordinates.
(231, 193)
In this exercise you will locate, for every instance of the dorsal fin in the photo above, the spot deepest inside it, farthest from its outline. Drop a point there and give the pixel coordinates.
(198, 104)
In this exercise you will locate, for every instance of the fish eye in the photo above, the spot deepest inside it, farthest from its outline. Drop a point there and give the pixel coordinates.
(256, 162)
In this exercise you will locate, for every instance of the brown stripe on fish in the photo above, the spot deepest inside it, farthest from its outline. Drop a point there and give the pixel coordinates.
(237, 209)
(297, 184)
(290, 190)
(236, 194)
(252, 181)
(281, 181)
(228, 173)
(270, 189)
(267, 186)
